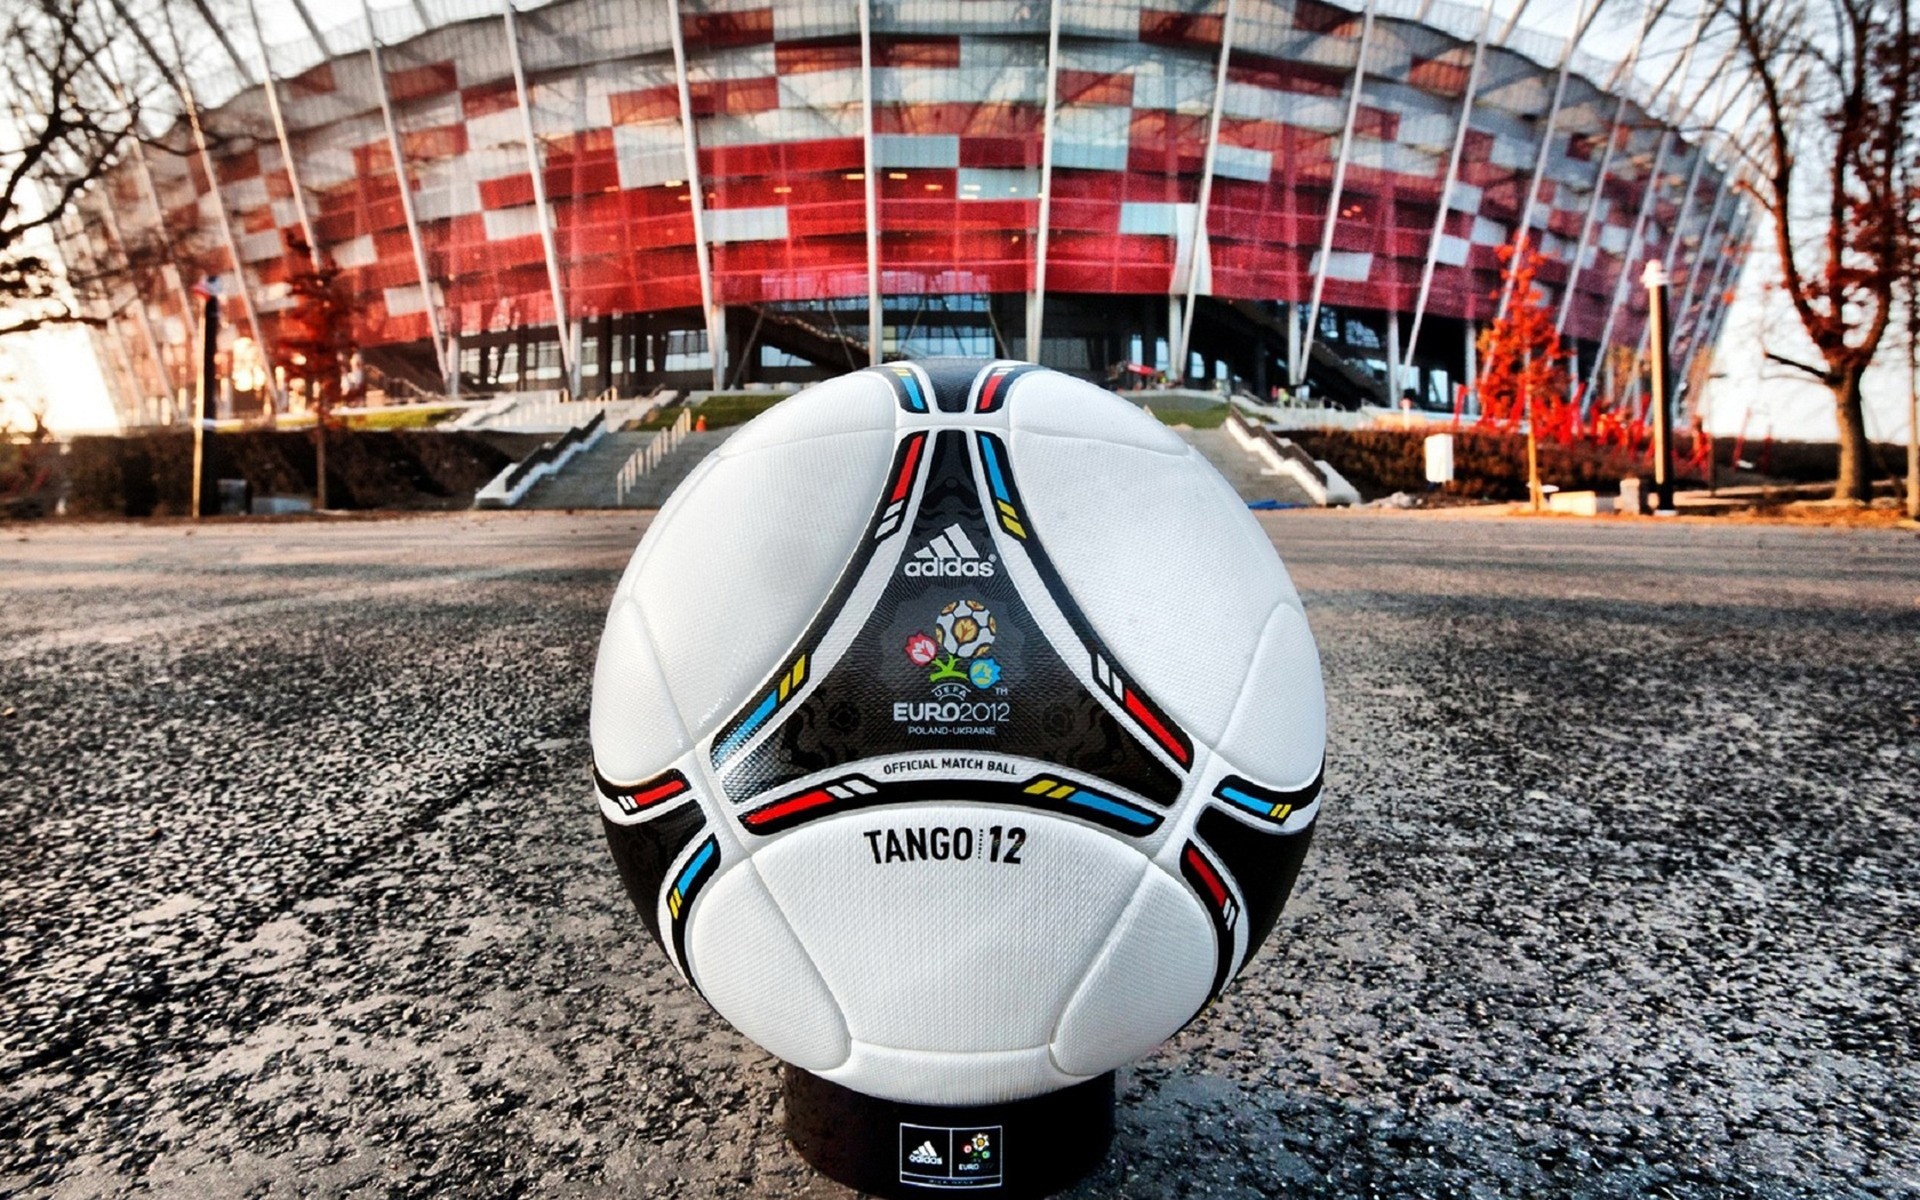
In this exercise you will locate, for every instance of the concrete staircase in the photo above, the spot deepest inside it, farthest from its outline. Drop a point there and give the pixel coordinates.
(587, 481)
(1243, 470)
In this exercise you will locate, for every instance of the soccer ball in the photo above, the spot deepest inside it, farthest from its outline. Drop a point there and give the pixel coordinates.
(966, 628)
(957, 732)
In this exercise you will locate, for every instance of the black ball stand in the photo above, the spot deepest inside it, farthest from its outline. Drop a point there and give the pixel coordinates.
(1021, 1150)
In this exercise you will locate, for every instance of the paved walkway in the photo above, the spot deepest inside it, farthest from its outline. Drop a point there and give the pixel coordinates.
(302, 893)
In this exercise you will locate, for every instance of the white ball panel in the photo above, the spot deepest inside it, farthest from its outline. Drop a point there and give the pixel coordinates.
(1134, 534)
(756, 975)
(1279, 731)
(776, 525)
(849, 404)
(1062, 406)
(635, 729)
(1149, 979)
(951, 956)
(933, 1077)
(690, 486)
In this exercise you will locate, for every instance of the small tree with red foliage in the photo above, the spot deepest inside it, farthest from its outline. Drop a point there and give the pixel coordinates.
(1521, 356)
(316, 343)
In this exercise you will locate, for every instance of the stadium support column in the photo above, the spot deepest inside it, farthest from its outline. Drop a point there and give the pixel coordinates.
(192, 111)
(1197, 241)
(313, 28)
(563, 326)
(1292, 309)
(1523, 229)
(1706, 330)
(405, 188)
(1037, 307)
(142, 320)
(1686, 203)
(875, 316)
(1395, 368)
(1710, 335)
(716, 333)
(151, 190)
(1332, 218)
(219, 31)
(70, 241)
(1674, 235)
(1393, 357)
(272, 88)
(1574, 267)
(174, 71)
(116, 240)
(108, 68)
(1472, 380)
(1649, 198)
(1725, 199)
(1577, 263)
(1701, 256)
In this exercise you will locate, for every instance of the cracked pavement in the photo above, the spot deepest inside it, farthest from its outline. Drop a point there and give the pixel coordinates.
(301, 892)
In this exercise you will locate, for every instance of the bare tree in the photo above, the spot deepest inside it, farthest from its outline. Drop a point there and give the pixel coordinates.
(1839, 106)
(1910, 274)
(68, 129)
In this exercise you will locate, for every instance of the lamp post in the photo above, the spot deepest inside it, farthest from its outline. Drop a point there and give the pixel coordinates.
(1913, 412)
(207, 289)
(1658, 334)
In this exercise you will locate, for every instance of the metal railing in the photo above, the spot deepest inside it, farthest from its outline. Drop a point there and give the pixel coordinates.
(651, 455)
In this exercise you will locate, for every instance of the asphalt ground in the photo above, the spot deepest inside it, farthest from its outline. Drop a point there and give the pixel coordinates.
(1615, 891)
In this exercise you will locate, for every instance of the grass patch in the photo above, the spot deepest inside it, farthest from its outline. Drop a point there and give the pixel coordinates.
(407, 417)
(1211, 417)
(399, 418)
(721, 409)
(735, 408)
(660, 417)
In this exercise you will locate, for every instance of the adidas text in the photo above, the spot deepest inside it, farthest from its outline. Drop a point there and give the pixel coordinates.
(926, 1155)
(949, 567)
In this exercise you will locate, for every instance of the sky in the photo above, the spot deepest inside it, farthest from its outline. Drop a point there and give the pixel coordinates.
(54, 370)
(1749, 391)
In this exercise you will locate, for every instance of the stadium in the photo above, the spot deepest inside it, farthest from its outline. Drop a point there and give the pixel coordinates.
(626, 194)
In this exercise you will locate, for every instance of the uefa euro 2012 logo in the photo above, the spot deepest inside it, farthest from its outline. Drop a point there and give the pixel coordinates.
(972, 1154)
(958, 649)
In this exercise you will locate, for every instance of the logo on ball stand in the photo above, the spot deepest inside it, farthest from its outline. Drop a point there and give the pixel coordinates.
(935, 1157)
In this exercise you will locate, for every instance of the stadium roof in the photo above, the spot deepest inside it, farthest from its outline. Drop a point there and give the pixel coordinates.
(216, 37)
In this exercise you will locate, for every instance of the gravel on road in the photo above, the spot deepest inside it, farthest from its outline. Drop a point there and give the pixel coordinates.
(1615, 893)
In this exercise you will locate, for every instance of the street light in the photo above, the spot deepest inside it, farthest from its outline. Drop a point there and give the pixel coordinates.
(208, 290)
(1655, 279)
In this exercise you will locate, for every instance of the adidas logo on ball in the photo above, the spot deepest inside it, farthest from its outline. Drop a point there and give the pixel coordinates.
(950, 554)
(926, 1155)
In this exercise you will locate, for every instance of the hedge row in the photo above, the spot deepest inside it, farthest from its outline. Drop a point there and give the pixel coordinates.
(1493, 466)
(150, 474)
(1486, 465)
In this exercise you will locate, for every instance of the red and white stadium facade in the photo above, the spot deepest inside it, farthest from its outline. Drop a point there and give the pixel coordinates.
(600, 192)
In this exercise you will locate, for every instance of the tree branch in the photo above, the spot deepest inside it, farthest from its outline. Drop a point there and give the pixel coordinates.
(1823, 375)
